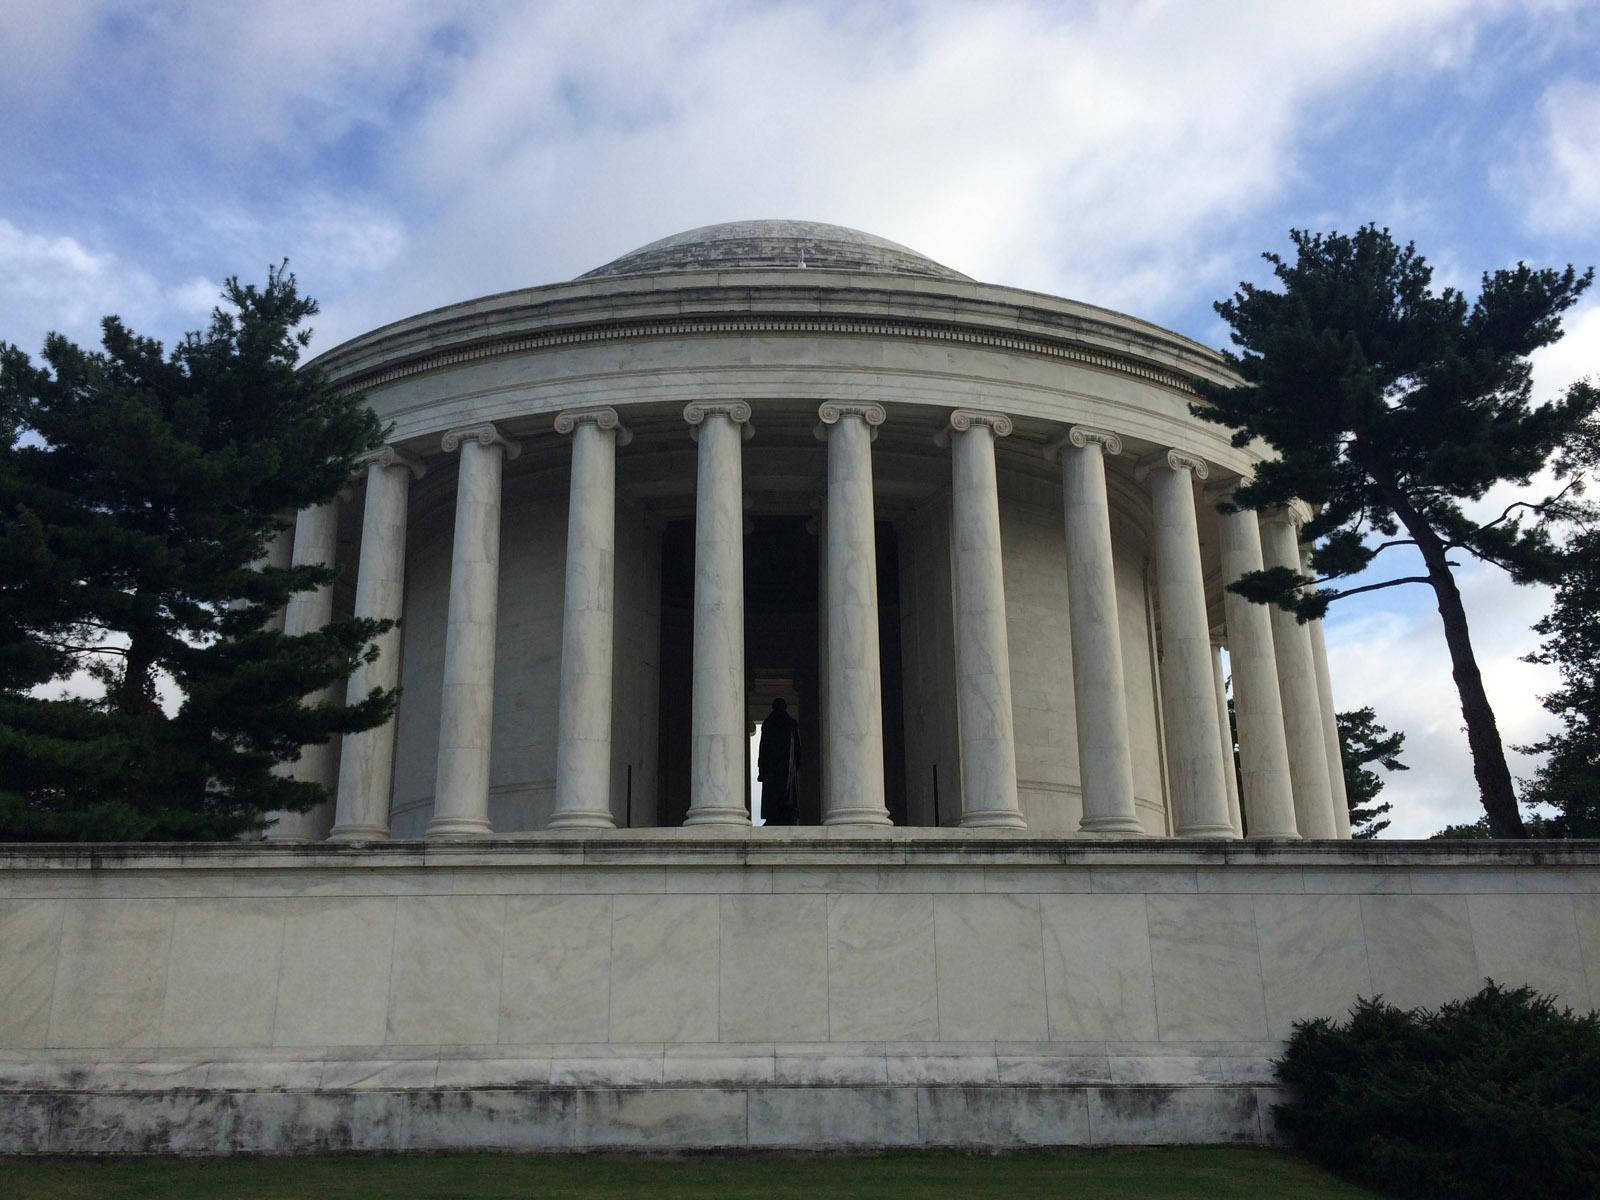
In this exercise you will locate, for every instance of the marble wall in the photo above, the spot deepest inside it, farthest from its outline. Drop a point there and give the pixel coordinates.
(913, 973)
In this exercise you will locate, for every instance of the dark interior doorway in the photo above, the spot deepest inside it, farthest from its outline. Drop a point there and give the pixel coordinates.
(782, 603)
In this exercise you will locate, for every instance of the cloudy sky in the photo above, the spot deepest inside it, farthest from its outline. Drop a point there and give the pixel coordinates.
(404, 155)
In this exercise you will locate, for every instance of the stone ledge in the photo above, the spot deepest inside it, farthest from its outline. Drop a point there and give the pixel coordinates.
(556, 1119)
(804, 847)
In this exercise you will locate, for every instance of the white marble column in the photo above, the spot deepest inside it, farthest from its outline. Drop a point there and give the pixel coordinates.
(583, 737)
(461, 787)
(854, 765)
(1297, 687)
(366, 763)
(1188, 689)
(1263, 754)
(1330, 731)
(983, 662)
(280, 555)
(718, 746)
(316, 539)
(1105, 754)
(1230, 776)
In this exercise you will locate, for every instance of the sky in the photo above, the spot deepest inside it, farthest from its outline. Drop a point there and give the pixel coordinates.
(406, 154)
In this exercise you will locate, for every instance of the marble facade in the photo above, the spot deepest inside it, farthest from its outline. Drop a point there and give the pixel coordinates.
(632, 988)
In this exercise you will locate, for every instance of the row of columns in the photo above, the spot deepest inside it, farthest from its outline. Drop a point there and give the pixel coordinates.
(1283, 701)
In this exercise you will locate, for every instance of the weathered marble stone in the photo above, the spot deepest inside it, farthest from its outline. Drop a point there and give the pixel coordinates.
(222, 976)
(1532, 940)
(880, 968)
(823, 1116)
(1419, 948)
(1098, 980)
(1207, 968)
(774, 958)
(29, 933)
(989, 958)
(111, 973)
(664, 969)
(1313, 957)
(445, 982)
(333, 985)
(556, 971)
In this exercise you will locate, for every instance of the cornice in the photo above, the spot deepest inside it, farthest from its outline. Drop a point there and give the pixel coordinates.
(1063, 348)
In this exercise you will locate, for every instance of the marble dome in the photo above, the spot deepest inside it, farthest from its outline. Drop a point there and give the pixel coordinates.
(747, 245)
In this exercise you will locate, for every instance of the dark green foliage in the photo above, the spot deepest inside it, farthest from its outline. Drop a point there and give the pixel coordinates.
(1362, 740)
(1569, 779)
(136, 490)
(1494, 1096)
(1389, 405)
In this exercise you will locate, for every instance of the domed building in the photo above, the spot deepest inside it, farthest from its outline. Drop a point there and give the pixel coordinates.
(969, 534)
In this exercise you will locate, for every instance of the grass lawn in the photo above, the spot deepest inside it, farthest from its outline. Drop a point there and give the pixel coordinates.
(1167, 1173)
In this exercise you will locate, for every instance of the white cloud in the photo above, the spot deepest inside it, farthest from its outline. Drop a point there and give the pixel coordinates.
(1557, 185)
(55, 283)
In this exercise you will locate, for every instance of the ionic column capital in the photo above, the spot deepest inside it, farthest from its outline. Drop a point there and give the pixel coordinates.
(391, 456)
(486, 434)
(1296, 513)
(601, 418)
(834, 411)
(963, 419)
(1175, 460)
(1082, 436)
(737, 411)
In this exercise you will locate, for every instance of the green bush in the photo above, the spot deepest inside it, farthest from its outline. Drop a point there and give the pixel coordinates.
(1494, 1096)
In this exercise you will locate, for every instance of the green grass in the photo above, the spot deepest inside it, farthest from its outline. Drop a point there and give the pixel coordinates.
(1167, 1173)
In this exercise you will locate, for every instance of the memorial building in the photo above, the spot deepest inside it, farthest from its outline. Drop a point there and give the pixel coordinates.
(1038, 893)
(970, 533)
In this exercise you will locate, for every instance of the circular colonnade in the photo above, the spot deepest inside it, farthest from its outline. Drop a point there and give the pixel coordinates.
(970, 533)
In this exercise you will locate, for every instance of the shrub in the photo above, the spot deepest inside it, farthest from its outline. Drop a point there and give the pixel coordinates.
(1494, 1096)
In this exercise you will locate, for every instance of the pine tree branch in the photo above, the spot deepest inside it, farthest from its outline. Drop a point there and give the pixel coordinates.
(1539, 506)
(1387, 583)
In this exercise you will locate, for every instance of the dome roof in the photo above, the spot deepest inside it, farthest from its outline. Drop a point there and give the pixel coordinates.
(764, 245)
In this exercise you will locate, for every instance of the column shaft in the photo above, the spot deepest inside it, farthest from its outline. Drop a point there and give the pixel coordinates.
(983, 662)
(1330, 731)
(316, 539)
(583, 738)
(1230, 775)
(1188, 688)
(1297, 686)
(1263, 754)
(854, 765)
(718, 746)
(461, 787)
(1105, 753)
(366, 763)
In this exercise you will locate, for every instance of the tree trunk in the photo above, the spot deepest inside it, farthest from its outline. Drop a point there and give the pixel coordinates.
(1483, 734)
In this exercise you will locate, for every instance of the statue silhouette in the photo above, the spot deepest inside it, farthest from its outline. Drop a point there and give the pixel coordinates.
(778, 764)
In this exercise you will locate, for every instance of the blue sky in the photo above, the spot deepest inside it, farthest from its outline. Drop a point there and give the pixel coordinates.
(1134, 155)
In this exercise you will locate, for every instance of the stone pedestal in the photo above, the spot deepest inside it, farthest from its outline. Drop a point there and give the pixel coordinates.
(583, 739)
(854, 762)
(461, 790)
(718, 745)
(366, 763)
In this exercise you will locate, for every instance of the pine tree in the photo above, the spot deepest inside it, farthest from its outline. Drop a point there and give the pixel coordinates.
(1361, 741)
(1389, 405)
(1569, 779)
(137, 488)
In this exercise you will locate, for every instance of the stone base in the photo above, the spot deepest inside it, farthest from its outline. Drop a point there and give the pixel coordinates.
(729, 988)
(577, 1118)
